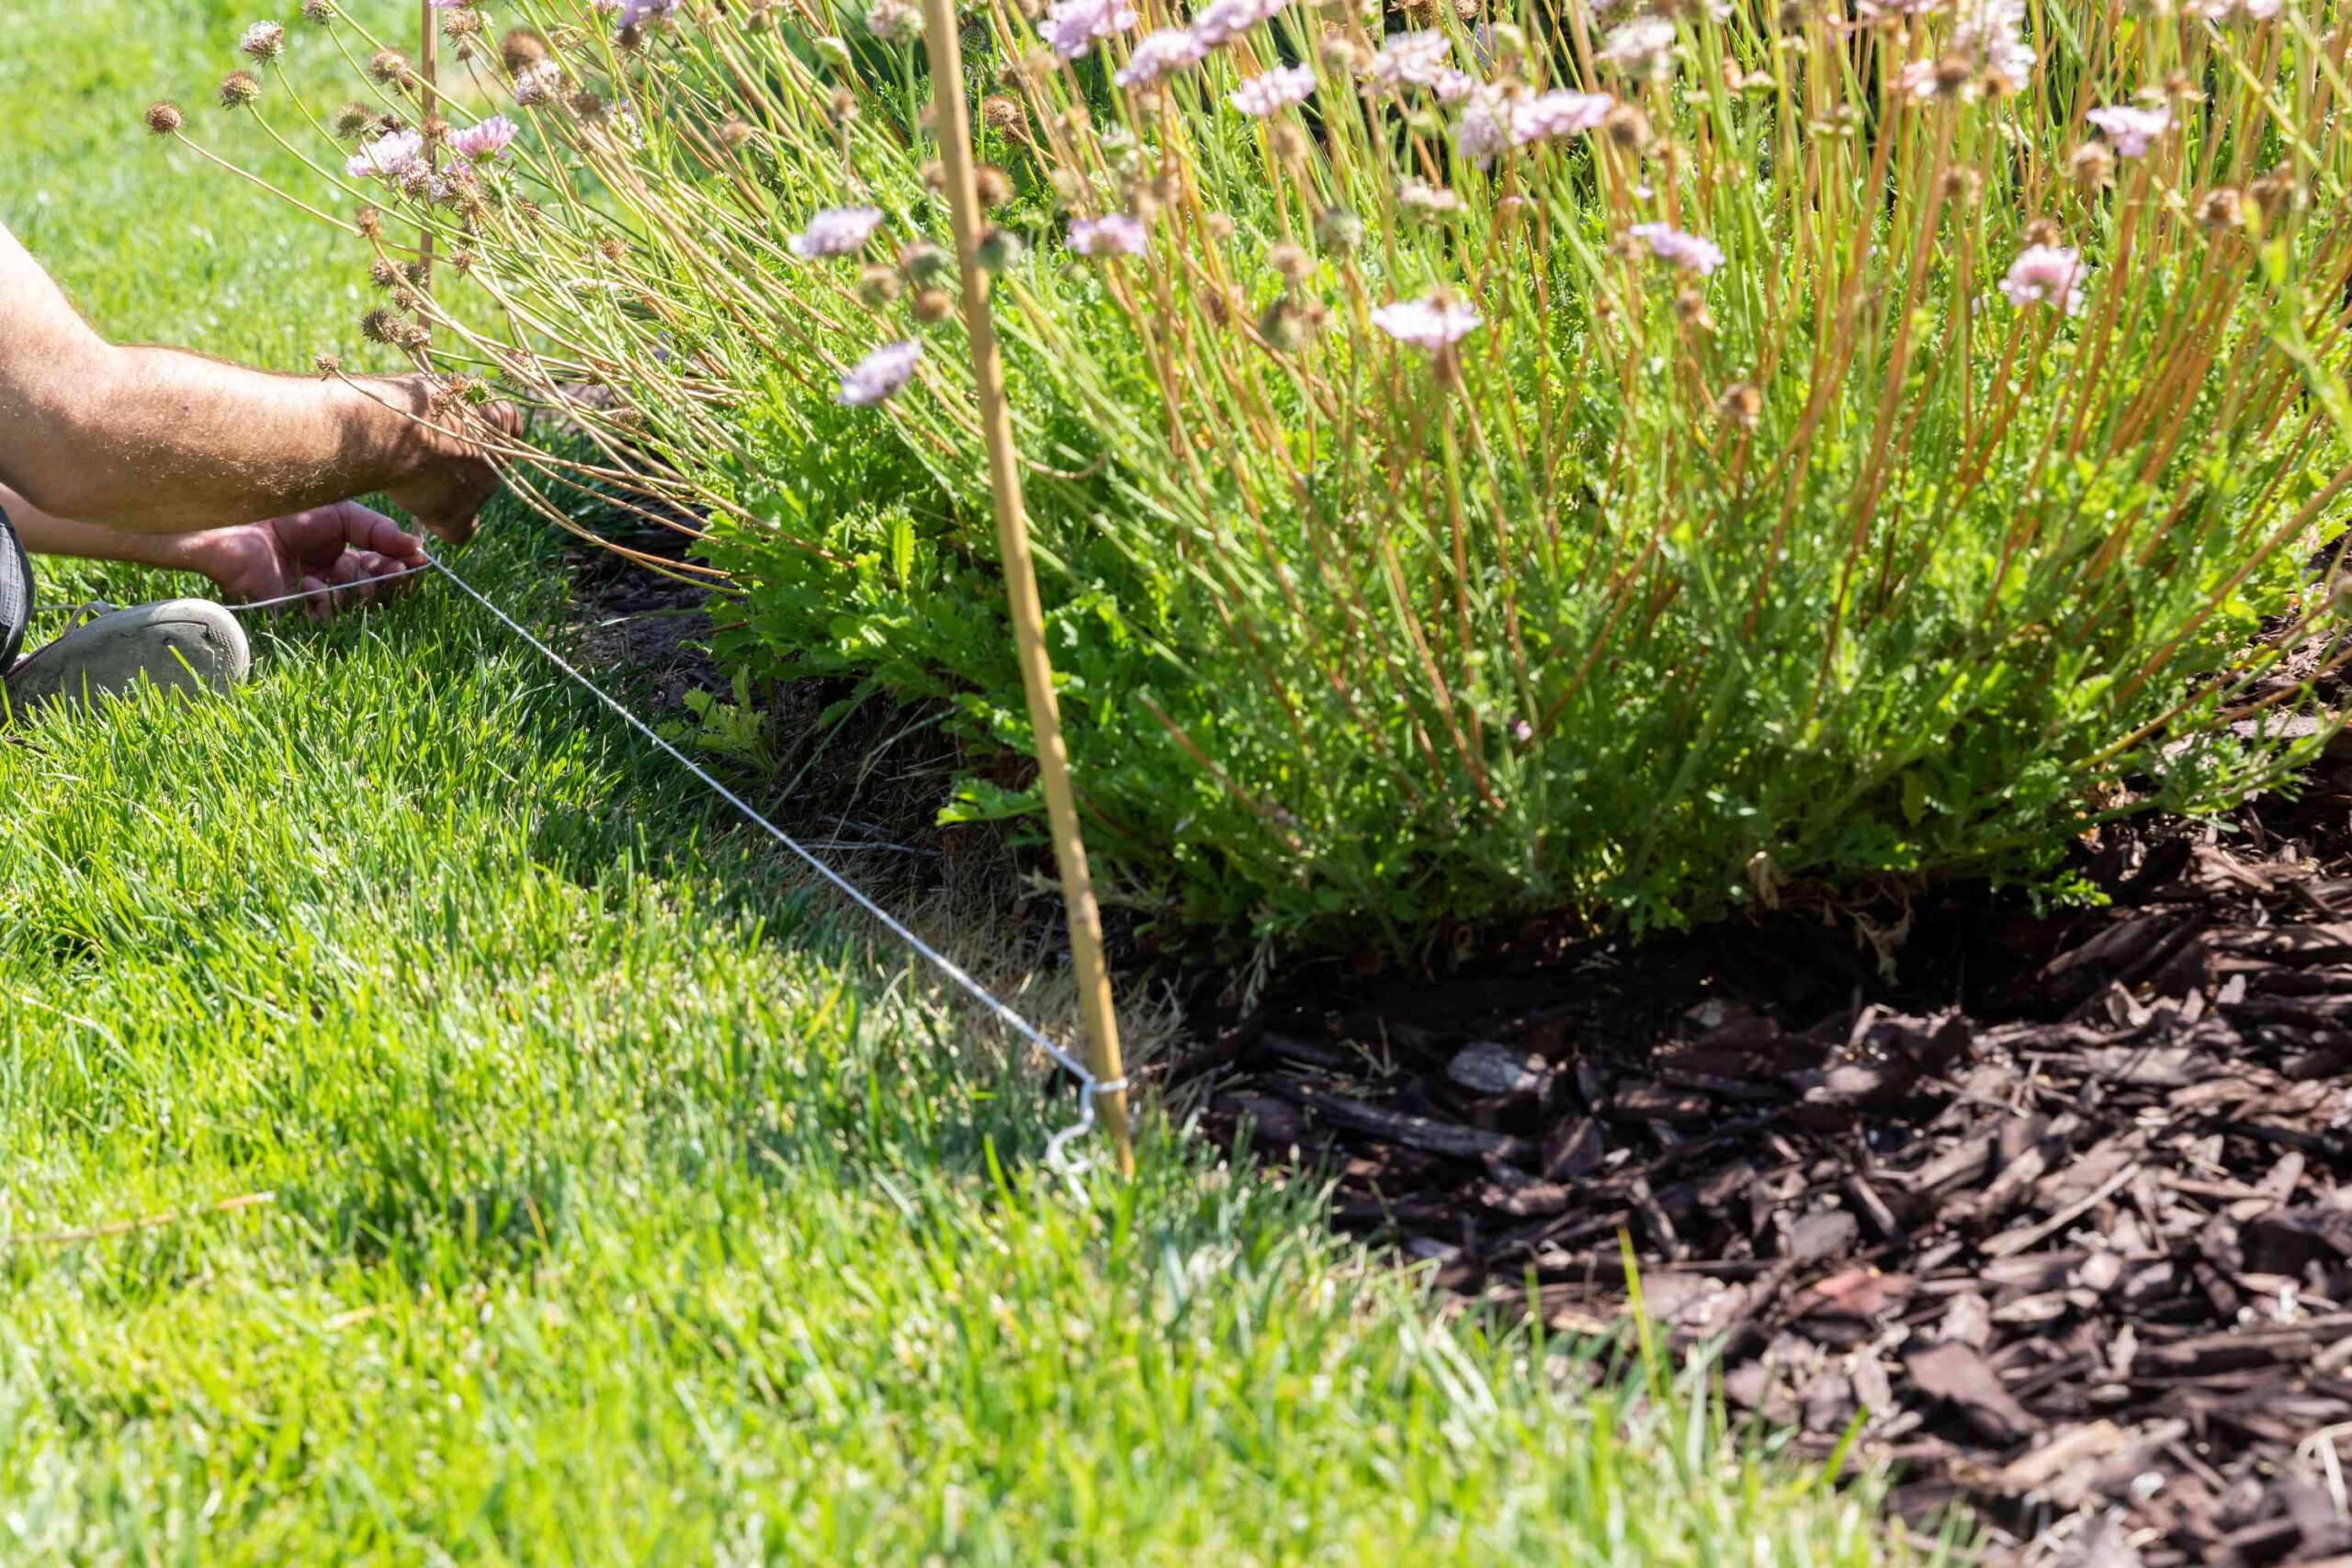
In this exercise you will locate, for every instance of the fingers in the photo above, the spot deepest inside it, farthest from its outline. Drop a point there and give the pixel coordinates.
(370, 530)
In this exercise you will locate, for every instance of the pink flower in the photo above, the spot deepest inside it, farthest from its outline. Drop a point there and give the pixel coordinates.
(1451, 86)
(1074, 26)
(1261, 96)
(2044, 275)
(264, 41)
(1117, 234)
(2131, 128)
(1643, 47)
(1160, 53)
(1676, 248)
(1414, 60)
(881, 374)
(1480, 132)
(1558, 114)
(1221, 21)
(1432, 324)
(2225, 11)
(837, 232)
(487, 140)
(390, 157)
(636, 11)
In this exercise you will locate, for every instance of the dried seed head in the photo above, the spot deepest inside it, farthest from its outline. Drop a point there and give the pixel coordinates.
(435, 129)
(2276, 195)
(844, 105)
(318, 13)
(1953, 72)
(926, 266)
(1627, 127)
(381, 325)
(613, 249)
(352, 120)
(1291, 261)
(1741, 406)
(387, 274)
(462, 26)
(163, 120)
(539, 82)
(328, 366)
(264, 41)
(933, 306)
(239, 89)
(2092, 168)
(1218, 225)
(1690, 309)
(2220, 207)
(1343, 54)
(878, 285)
(735, 132)
(1004, 115)
(1338, 231)
(369, 223)
(1000, 250)
(1289, 144)
(1962, 185)
(2181, 88)
(1290, 324)
(388, 67)
(521, 47)
(2041, 231)
(934, 175)
(994, 184)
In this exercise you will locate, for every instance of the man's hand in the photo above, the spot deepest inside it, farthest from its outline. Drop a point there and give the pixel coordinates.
(451, 480)
(328, 547)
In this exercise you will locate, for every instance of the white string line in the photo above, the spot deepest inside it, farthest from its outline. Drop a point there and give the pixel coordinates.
(1089, 1086)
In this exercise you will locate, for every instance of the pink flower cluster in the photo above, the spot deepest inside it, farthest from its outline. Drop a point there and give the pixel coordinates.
(391, 158)
(1074, 26)
(1160, 53)
(880, 375)
(1221, 21)
(2131, 130)
(633, 11)
(1432, 324)
(837, 232)
(1675, 248)
(489, 139)
(1116, 234)
(1554, 115)
(2046, 275)
(1413, 60)
(1262, 94)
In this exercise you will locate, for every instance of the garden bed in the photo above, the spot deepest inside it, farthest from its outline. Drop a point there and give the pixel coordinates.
(2060, 1214)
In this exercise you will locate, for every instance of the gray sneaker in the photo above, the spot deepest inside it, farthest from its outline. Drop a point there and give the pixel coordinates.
(182, 644)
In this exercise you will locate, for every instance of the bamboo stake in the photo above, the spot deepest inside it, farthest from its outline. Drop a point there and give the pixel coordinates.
(955, 130)
(428, 51)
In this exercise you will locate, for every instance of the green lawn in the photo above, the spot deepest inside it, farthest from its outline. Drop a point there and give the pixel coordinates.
(625, 1206)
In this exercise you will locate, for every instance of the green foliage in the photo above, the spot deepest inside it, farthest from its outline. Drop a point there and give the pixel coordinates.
(1668, 584)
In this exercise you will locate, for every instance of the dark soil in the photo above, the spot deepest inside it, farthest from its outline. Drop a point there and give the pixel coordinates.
(2062, 1214)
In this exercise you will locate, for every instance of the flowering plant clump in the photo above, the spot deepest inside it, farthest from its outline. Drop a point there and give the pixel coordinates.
(1625, 463)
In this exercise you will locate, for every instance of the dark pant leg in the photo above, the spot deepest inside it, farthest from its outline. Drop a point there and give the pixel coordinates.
(16, 595)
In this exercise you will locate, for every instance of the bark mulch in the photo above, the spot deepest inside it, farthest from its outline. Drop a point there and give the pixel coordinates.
(2062, 1215)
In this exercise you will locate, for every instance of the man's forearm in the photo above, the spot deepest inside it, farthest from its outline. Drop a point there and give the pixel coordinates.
(152, 440)
(45, 534)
